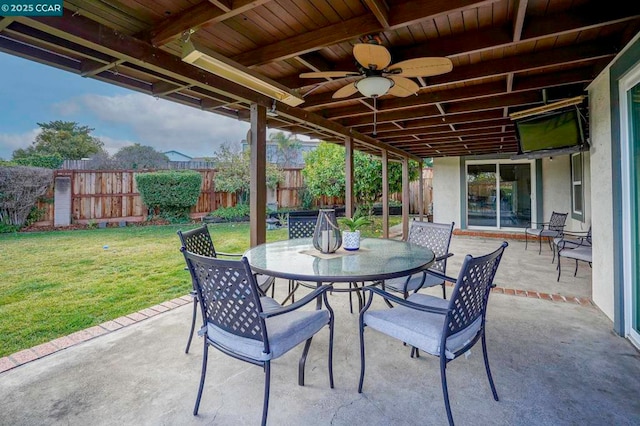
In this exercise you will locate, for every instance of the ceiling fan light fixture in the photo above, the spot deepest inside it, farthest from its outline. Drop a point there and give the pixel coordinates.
(374, 86)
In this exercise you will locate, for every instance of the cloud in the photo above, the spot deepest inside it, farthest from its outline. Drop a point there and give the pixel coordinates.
(11, 142)
(112, 145)
(162, 124)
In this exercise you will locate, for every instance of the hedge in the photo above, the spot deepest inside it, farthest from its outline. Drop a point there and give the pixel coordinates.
(170, 194)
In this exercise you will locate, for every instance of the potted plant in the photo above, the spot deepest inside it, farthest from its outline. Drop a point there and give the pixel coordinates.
(351, 238)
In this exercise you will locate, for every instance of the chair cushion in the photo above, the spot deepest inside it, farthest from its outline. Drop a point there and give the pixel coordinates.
(415, 282)
(579, 253)
(421, 329)
(542, 232)
(285, 332)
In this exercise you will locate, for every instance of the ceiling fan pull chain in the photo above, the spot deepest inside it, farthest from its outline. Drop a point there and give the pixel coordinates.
(375, 112)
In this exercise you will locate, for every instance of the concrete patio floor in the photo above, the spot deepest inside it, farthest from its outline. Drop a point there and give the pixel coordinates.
(553, 363)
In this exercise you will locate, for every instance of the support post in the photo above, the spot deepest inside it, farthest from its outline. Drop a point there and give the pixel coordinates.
(348, 177)
(405, 198)
(421, 194)
(385, 194)
(258, 176)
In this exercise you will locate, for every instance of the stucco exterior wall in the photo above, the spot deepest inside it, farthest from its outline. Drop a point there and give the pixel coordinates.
(446, 190)
(601, 194)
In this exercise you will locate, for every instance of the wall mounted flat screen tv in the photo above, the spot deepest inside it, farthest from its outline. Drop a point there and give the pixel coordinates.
(555, 130)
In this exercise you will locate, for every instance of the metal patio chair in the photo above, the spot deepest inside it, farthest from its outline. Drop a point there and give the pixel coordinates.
(571, 239)
(446, 329)
(577, 248)
(437, 238)
(549, 230)
(244, 324)
(300, 227)
(199, 241)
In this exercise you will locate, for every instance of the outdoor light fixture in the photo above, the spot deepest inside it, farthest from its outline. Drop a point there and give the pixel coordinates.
(374, 86)
(224, 67)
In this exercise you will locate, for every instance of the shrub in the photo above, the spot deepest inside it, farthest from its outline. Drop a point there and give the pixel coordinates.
(53, 161)
(20, 189)
(170, 194)
(236, 213)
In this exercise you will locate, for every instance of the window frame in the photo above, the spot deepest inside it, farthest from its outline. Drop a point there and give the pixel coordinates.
(577, 184)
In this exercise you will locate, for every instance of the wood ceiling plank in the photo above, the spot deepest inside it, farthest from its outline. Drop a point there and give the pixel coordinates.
(412, 11)
(201, 14)
(310, 41)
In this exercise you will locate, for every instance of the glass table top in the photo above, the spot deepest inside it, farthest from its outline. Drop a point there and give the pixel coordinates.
(377, 259)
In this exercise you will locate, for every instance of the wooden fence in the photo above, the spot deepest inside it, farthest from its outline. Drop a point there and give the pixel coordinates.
(112, 196)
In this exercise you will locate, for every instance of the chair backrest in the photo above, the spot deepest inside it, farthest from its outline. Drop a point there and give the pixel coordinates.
(434, 236)
(198, 241)
(302, 226)
(470, 295)
(228, 295)
(557, 221)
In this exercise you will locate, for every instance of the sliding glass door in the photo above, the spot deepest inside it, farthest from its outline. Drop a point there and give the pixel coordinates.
(499, 194)
(630, 125)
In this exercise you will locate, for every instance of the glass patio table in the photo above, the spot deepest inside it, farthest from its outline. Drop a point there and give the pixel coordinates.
(377, 259)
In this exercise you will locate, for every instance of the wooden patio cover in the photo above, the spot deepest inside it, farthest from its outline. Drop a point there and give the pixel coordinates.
(507, 55)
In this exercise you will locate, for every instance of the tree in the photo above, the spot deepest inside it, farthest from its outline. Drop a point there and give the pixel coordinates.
(137, 156)
(324, 170)
(287, 148)
(67, 139)
(233, 173)
(324, 174)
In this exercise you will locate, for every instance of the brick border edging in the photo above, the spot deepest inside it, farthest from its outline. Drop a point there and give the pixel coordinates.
(27, 355)
(40, 351)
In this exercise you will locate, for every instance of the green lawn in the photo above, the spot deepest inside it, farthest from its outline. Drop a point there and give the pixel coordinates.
(55, 283)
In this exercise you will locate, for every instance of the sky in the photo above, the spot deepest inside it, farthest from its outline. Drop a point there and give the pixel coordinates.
(32, 93)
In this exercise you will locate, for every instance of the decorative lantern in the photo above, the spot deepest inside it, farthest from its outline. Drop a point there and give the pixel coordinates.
(326, 236)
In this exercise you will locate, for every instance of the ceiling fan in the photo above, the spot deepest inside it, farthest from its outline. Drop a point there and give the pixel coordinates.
(379, 77)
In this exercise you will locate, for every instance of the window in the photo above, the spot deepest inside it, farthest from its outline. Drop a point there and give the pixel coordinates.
(577, 209)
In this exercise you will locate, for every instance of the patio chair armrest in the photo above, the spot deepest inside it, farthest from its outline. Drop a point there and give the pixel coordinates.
(219, 253)
(443, 257)
(403, 302)
(305, 300)
(441, 276)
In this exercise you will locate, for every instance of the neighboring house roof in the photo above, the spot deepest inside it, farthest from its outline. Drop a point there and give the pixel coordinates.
(177, 156)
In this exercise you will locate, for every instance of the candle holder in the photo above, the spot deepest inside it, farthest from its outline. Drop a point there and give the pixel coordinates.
(326, 236)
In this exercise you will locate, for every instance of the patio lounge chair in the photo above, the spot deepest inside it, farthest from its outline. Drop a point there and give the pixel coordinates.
(446, 329)
(199, 241)
(436, 237)
(549, 230)
(579, 252)
(244, 324)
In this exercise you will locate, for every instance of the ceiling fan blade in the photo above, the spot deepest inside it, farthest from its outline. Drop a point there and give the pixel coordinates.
(402, 87)
(422, 67)
(372, 56)
(345, 91)
(328, 74)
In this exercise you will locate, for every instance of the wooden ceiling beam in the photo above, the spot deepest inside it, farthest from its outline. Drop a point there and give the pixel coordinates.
(520, 7)
(88, 33)
(524, 63)
(410, 12)
(380, 10)
(497, 101)
(437, 121)
(403, 134)
(594, 15)
(90, 67)
(193, 18)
